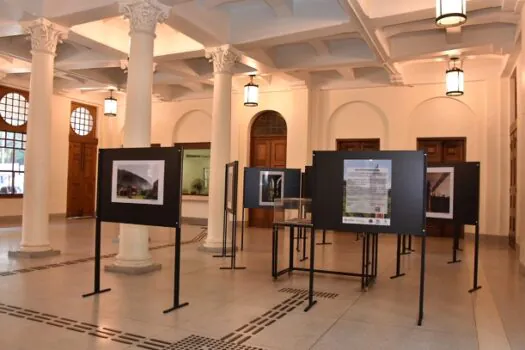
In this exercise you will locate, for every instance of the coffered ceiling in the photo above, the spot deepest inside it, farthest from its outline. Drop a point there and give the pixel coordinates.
(328, 44)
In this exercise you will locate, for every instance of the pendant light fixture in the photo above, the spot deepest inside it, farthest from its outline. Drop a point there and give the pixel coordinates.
(110, 105)
(455, 78)
(451, 13)
(251, 93)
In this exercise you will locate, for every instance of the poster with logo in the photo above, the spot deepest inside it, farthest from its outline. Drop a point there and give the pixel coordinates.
(367, 192)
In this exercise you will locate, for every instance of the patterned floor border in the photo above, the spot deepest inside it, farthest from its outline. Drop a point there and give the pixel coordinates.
(195, 239)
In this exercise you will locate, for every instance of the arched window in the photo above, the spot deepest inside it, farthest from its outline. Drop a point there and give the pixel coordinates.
(14, 110)
(269, 123)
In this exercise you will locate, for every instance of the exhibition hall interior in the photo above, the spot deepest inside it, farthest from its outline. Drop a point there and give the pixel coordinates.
(262, 174)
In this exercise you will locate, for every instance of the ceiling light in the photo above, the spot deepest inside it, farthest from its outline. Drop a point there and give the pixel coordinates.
(251, 93)
(110, 106)
(455, 79)
(451, 13)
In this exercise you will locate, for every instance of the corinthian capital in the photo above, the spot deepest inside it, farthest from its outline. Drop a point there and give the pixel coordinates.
(45, 35)
(144, 15)
(223, 58)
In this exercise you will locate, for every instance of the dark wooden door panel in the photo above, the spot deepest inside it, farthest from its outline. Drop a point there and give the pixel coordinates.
(358, 144)
(267, 152)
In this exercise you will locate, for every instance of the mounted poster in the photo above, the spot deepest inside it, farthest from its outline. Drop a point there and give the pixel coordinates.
(138, 182)
(367, 193)
(440, 192)
(271, 187)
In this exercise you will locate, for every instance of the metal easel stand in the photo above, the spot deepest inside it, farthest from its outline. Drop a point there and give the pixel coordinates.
(455, 247)
(476, 260)
(324, 242)
(398, 260)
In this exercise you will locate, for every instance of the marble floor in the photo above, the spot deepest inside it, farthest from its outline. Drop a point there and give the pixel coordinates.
(41, 305)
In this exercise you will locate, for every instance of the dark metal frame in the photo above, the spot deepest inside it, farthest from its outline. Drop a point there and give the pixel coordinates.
(98, 242)
(369, 265)
(233, 212)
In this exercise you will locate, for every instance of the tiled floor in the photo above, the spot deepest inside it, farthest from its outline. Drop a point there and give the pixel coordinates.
(43, 308)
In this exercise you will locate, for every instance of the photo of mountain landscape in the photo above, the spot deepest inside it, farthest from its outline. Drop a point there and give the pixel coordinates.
(138, 182)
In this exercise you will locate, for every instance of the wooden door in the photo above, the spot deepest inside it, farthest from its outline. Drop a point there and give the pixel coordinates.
(267, 152)
(82, 165)
(445, 150)
(358, 144)
(513, 191)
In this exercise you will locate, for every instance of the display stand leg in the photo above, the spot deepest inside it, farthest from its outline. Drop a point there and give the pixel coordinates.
(422, 280)
(224, 237)
(367, 268)
(405, 248)
(304, 244)
(377, 255)
(410, 244)
(324, 242)
(176, 280)
(234, 249)
(476, 260)
(363, 263)
(398, 259)
(373, 262)
(357, 236)
(311, 301)
(242, 228)
(96, 282)
(275, 251)
(290, 263)
(455, 244)
(299, 231)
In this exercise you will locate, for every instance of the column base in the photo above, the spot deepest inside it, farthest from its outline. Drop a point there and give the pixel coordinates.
(132, 270)
(32, 254)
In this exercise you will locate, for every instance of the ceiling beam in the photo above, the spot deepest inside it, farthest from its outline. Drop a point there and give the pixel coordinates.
(87, 64)
(373, 36)
(190, 29)
(346, 73)
(454, 35)
(281, 8)
(320, 47)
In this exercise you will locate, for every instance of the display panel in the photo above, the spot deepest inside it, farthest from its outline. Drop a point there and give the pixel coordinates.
(138, 182)
(367, 192)
(262, 186)
(462, 186)
(440, 192)
(230, 184)
(140, 186)
(381, 192)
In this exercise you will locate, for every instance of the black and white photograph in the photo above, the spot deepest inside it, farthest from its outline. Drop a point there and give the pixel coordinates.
(271, 187)
(440, 192)
(138, 182)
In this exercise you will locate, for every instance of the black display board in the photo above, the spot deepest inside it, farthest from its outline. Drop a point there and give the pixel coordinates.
(307, 182)
(407, 194)
(252, 178)
(166, 214)
(466, 191)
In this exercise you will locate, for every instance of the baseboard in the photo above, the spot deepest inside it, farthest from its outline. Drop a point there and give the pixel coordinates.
(17, 219)
(194, 221)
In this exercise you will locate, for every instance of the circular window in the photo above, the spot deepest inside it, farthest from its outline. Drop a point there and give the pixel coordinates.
(14, 109)
(81, 121)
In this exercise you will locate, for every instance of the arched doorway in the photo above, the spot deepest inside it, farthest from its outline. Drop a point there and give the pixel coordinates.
(267, 149)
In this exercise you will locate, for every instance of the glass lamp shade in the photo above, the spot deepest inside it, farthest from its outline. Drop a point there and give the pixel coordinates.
(451, 13)
(110, 107)
(251, 95)
(455, 82)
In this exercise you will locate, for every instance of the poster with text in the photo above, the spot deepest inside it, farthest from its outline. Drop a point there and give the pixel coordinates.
(440, 192)
(271, 187)
(367, 192)
(138, 182)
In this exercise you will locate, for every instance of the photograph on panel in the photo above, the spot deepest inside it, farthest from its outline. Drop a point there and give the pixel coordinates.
(271, 187)
(138, 182)
(440, 192)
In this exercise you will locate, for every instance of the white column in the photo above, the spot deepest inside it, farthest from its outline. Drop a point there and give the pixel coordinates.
(223, 59)
(134, 256)
(35, 235)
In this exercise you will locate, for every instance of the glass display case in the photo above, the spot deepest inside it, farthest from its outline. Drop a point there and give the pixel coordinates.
(292, 210)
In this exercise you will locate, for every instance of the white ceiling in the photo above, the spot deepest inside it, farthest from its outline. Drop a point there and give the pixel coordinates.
(329, 44)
